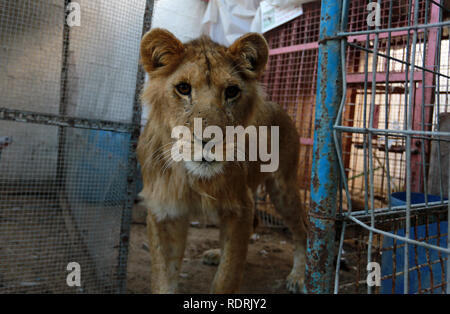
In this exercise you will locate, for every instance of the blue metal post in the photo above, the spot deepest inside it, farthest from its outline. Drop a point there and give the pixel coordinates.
(324, 176)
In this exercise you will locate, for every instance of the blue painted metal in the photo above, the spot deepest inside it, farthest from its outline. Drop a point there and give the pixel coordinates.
(324, 176)
(431, 272)
(399, 198)
(432, 266)
(101, 168)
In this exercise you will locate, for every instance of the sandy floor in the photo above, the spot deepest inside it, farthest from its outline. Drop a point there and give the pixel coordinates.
(36, 247)
(269, 261)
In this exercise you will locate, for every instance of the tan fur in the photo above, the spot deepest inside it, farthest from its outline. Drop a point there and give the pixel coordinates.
(172, 192)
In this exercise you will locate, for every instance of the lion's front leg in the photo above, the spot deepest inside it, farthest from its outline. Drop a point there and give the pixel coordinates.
(167, 241)
(235, 232)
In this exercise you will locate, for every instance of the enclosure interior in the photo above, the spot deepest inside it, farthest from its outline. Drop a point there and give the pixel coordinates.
(66, 117)
(291, 80)
(64, 185)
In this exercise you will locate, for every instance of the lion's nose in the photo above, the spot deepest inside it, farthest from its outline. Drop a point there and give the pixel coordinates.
(205, 160)
(204, 142)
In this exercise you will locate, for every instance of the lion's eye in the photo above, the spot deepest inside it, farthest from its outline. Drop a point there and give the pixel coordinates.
(232, 91)
(183, 88)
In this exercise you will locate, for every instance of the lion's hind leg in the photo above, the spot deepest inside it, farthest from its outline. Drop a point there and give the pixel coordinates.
(286, 199)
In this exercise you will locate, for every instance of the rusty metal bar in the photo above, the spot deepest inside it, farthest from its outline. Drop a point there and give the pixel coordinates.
(380, 77)
(63, 121)
(448, 234)
(324, 175)
(125, 226)
(60, 167)
(416, 67)
(400, 238)
(395, 29)
(425, 96)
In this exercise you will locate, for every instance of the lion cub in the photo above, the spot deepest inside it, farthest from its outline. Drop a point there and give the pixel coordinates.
(218, 86)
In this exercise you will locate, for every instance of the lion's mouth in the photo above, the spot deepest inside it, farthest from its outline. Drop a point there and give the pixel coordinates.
(204, 168)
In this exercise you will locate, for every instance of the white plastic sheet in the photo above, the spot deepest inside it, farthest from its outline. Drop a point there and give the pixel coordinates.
(226, 20)
(277, 12)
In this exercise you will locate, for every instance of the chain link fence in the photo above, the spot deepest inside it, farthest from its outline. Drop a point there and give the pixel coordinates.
(394, 117)
(69, 122)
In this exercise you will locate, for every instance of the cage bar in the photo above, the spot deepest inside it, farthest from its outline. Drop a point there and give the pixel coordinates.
(320, 248)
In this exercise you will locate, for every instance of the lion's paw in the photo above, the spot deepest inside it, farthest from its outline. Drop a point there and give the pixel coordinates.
(294, 282)
(211, 257)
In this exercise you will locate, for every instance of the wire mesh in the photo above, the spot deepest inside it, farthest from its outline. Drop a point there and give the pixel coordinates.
(290, 80)
(68, 117)
(392, 133)
(389, 135)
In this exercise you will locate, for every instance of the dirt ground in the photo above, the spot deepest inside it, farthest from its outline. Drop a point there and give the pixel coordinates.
(269, 261)
(34, 258)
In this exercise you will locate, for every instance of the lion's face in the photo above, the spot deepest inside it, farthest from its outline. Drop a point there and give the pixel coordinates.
(202, 80)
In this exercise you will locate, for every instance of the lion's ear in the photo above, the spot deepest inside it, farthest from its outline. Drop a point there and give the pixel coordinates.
(252, 52)
(160, 48)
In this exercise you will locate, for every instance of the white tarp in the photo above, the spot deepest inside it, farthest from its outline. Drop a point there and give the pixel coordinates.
(275, 13)
(226, 20)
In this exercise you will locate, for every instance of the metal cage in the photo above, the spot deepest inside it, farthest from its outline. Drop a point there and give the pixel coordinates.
(382, 93)
(69, 121)
(388, 132)
(398, 125)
